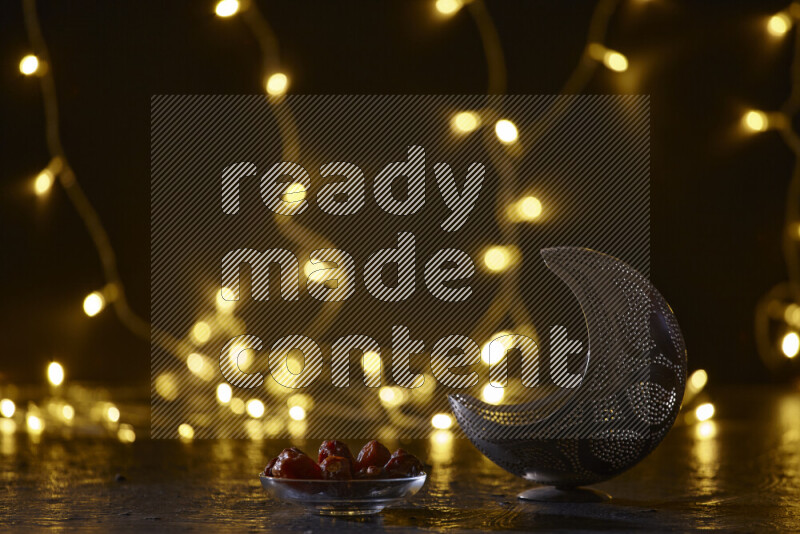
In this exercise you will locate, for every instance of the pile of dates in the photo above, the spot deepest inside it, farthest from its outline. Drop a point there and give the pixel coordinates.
(336, 462)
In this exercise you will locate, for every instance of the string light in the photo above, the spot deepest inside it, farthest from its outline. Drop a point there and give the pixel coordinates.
(526, 209)
(55, 373)
(112, 413)
(43, 182)
(779, 24)
(465, 122)
(697, 380)
(255, 408)
(224, 393)
(34, 423)
(126, 434)
(704, 412)
(612, 59)
(506, 131)
(29, 65)
(166, 386)
(227, 8)
(441, 421)
(448, 7)
(790, 345)
(756, 121)
(297, 413)
(225, 300)
(93, 303)
(7, 408)
(68, 412)
(493, 353)
(391, 396)
(277, 84)
(201, 332)
(492, 394)
(186, 432)
(499, 258)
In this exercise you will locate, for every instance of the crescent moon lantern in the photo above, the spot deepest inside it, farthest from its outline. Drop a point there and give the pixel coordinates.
(628, 398)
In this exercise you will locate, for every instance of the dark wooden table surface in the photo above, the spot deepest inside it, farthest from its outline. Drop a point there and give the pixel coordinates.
(740, 473)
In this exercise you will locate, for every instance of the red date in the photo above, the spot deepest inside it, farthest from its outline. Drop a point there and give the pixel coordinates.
(334, 447)
(336, 468)
(373, 454)
(402, 464)
(293, 463)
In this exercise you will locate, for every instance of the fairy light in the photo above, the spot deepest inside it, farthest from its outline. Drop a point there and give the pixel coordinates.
(498, 258)
(526, 209)
(201, 332)
(306, 402)
(441, 421)
(465, 122)
(277, 84)
(186, 432)
(704, 412)
(391, 396)
(237, 405)
(55, 373)
(612, 59)
(224, 393)
(224, 299)
(93, 303)
(166, 386)
(35, 424)
(7, 408)
(492, 394)
(126, 434)
(112, 413)
(297, 413)
(371, 363)
(698, 379)
(68, 412)
(448, 7)
(43, 182)
(493, 353)
(779, 24)
(755, 120)
(506, 131)
(294, 192)
(227, 8)
(29, 65)
(706, 430)
(790, 345)
(255, 408)
(200, 366)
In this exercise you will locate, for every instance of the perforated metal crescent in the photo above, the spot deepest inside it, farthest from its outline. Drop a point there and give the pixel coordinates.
(628, 398)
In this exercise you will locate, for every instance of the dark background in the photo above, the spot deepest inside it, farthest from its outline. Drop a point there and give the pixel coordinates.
(717, 195)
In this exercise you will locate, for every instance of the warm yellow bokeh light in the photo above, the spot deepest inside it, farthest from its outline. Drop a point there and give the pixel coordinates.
(224, 393)
(225, 300)
(498, 258)
(7, 407)
(167, 386)
(29, 65)
(200, 366)
(297, 413)
(112, 413)
(277, 84)
(615, 61)
(55, 373)
(226, 8)
(704, 412)
(300, 399)
(529, 208)
(35, 424)
(126, 434)
(698, 379)
(185, 431)
(93, 303)
(779, 24)
(295, 192)
(790, 345)
(755, 121)
(506, 131)
(201, 332)
(493, 353)
(492, 394)
(43, 182)
(391, 396)
(441, 421)
(255, 408)
(371, 363)
(465, 121)
(68, 412)
(706, 430)
(448, 7)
